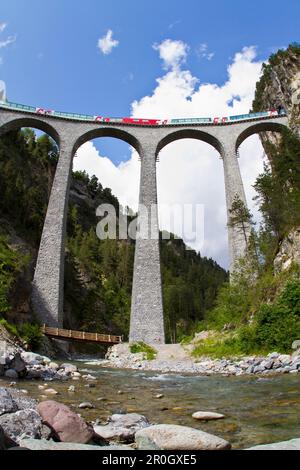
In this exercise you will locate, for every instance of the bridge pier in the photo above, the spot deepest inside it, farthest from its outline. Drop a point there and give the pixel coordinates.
(237, 243)
(146, 321)
(48, 282)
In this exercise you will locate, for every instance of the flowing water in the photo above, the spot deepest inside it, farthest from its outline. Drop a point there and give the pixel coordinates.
(258, 410)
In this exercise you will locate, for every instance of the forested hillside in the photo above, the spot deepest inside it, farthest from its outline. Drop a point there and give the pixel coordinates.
(260, 310)
(98, 274)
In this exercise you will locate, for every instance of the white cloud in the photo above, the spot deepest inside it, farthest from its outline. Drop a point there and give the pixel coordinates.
(189, 171)
(107, 43)
(173, 53)
(2, 27)
(203, 53)
(8, 41)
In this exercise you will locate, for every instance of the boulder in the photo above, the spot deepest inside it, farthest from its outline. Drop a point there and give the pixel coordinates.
(174, 437)
(43, 444)
(5, 441)
(23, 423)
(207, 415)
(23, 402)
(7, 403)
(11, 374)
(18, 364)
(296, 344)
(293, 444)
(35, 374)
(122, 427)
(33, 359)
(69, 368)
(68, 425)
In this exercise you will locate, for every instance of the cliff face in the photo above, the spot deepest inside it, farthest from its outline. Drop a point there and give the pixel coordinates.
(280, 85)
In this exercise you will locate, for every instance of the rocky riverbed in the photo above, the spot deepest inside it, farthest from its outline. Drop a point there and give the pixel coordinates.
(244, 411)
(50, 425)
(176, 361)
(113, 404)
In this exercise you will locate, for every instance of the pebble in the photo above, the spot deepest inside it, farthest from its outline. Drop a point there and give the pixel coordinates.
(51, 391)
(159, 395)
(207, 415)
(71, 388)
(86, 405)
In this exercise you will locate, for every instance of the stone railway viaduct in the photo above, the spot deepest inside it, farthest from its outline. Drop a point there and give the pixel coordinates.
(147, 322)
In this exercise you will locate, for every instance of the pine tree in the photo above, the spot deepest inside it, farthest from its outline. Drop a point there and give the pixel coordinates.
(240, 216)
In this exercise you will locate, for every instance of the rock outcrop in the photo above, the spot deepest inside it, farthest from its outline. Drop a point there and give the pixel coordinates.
(289, 251)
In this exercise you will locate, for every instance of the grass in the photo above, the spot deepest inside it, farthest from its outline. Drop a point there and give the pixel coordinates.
(141, 347)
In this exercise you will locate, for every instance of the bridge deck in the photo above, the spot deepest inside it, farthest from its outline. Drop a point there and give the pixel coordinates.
(60, 333)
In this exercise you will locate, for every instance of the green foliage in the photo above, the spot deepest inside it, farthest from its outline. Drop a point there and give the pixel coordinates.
(12, 329)
(11, 263)
(261, 317)
(27, 166)
(141, 347)
(190, 286)
(29, 333)
(218, 346)
(240, 216)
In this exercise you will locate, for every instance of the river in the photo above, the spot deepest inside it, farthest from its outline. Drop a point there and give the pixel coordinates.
(257, 410)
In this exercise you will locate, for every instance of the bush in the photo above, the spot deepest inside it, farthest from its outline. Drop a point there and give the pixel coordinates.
(28, 333)
(150, 353)
(218, 347)
(31, 335)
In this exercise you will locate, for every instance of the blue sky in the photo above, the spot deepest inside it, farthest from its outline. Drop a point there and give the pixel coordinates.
(55, 62)
(49, 57)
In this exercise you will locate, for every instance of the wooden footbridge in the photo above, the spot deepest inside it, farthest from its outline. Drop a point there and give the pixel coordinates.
(60, 333)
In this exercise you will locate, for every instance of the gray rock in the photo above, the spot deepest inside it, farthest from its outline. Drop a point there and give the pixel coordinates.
(32, 358)
(296, 344)
(23, 423)
(42, 444)
(174, 437)
(34, 373)
(7, 403)
(122, 427)
(69, 368)
(273, 355)
(18, 364)
(293, 444)
(23, 402)
(5, 441)
(285, 359)
(11, 374)
(267, 364)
